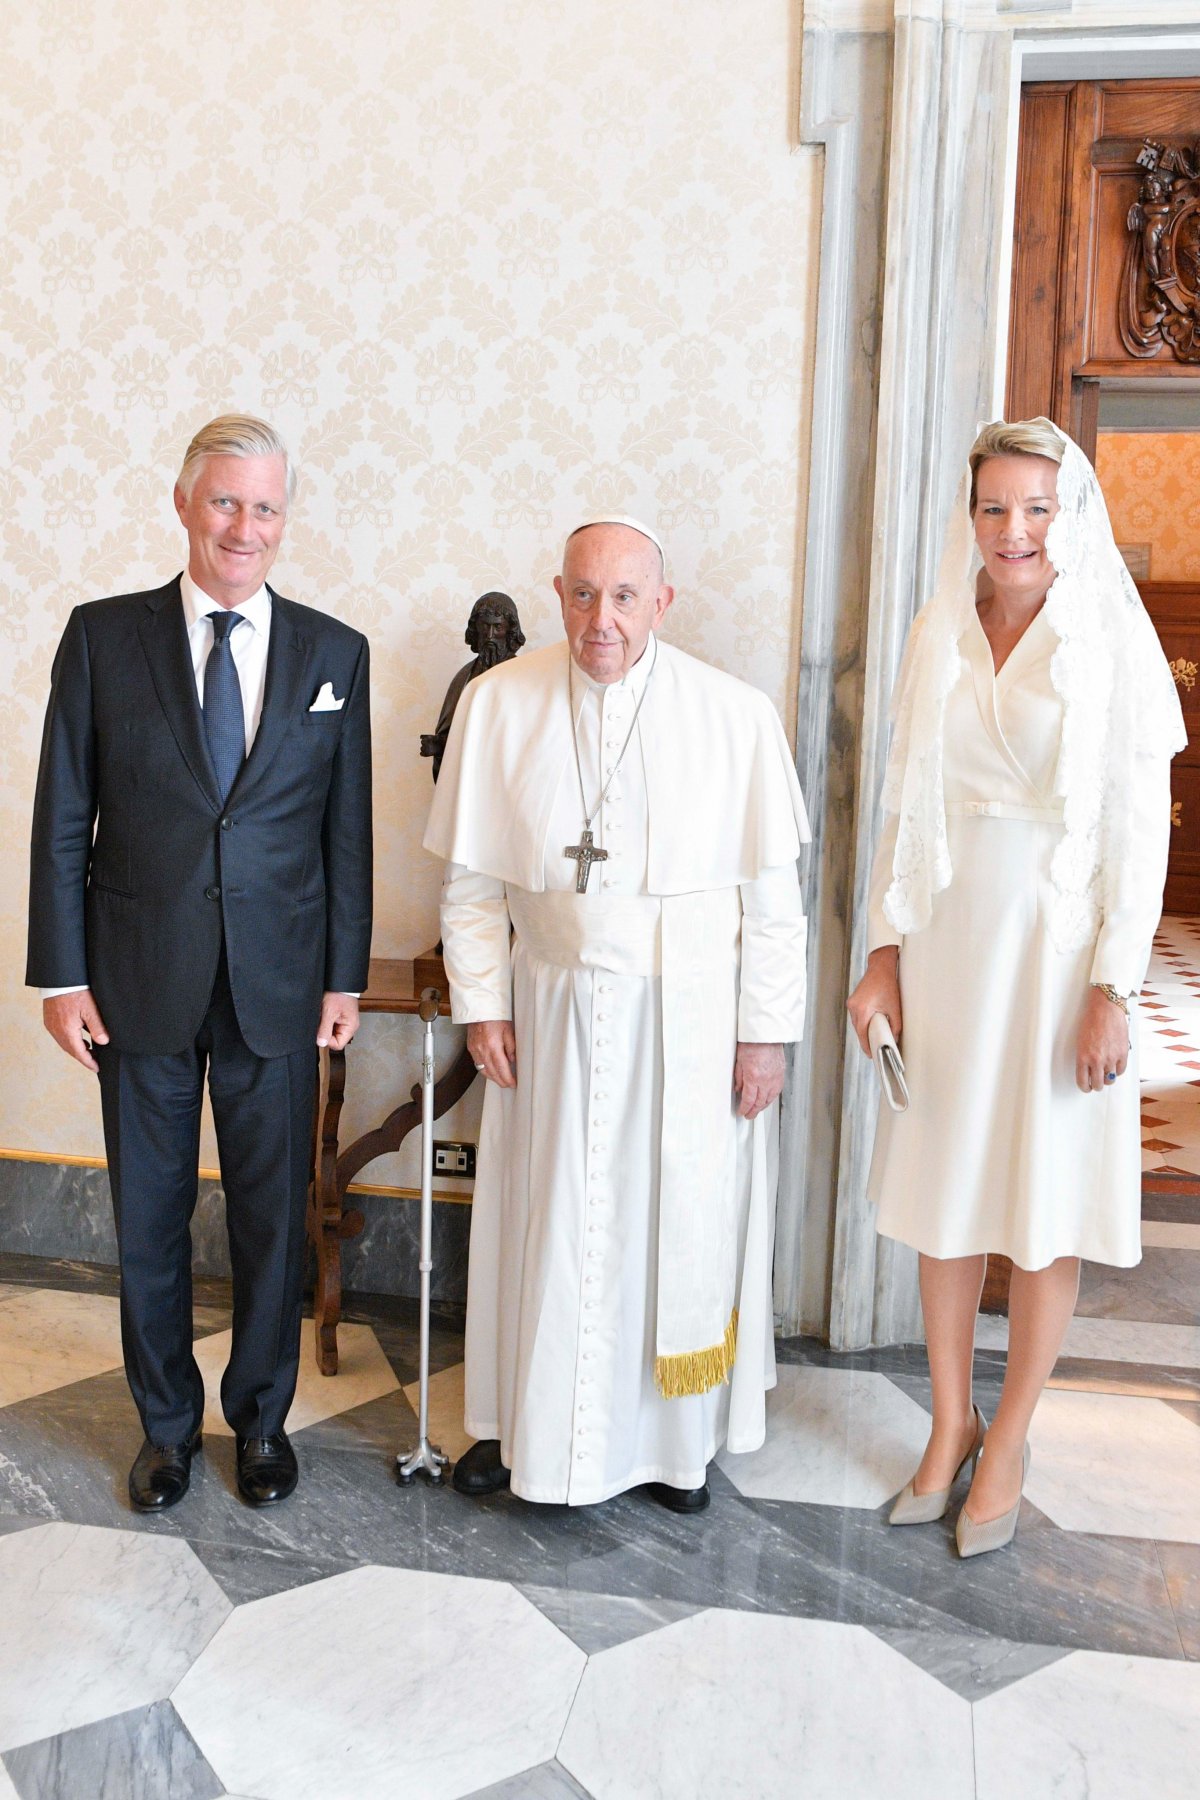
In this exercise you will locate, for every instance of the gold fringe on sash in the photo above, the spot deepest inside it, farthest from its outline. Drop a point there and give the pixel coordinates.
(696, 1371)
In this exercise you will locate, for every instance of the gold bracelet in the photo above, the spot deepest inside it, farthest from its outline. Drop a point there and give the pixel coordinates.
(1110, 993)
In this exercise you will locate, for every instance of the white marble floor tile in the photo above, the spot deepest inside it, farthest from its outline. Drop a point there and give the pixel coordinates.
(364, 1373)
(50, 1339)
(1110, 1340)
(835, 1437)
(378, 1683)
(446, 1431)
(1163, 1234)
(1115, 1463)
(1092, 1727)
(94, 1622)
(766, 1708)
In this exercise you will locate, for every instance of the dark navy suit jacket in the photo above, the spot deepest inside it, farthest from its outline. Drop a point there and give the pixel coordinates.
(138, 871)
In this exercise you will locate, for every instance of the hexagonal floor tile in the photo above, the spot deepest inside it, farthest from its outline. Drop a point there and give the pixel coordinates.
(381, 1682)
(1115, 1463)
(750, 1703)
(835, 1437)
(1092, 1727)
(48, 1340)
(95, 1622)
(364, 1373)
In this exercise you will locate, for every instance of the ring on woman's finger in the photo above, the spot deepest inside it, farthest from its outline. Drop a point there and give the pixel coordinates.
(1110, 1075)
(479, 1067)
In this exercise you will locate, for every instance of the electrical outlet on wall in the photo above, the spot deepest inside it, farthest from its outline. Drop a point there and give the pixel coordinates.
(454, 1159)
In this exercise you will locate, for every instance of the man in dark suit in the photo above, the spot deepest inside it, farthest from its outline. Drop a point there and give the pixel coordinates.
(200, 902)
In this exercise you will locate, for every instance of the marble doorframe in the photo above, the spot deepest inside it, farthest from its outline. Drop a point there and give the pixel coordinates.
(916, 107)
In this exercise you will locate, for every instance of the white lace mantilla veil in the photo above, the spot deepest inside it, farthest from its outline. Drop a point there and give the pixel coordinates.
(1119, 702)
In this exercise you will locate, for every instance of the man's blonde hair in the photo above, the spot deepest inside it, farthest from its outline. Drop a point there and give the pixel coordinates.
(233, 434)
(1025, 437)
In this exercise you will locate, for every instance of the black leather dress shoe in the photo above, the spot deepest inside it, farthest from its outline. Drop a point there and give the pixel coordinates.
(681, 1500)
(266, 1469)
(161, 1473)
(480, 1471)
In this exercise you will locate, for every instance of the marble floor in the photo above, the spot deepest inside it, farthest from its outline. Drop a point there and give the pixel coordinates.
(363, 1642)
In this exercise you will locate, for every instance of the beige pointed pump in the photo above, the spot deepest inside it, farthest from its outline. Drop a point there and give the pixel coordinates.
(923, 1509)
(993, 1534)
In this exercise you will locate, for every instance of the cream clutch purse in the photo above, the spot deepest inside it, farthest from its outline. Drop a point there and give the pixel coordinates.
(889, 1064)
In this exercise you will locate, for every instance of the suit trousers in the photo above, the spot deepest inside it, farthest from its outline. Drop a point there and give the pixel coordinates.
(263, 1112)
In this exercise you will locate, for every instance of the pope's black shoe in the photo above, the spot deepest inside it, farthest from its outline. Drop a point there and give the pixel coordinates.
(680, 1500)
(480, 1471)
(266, 1469)
(161, 1473)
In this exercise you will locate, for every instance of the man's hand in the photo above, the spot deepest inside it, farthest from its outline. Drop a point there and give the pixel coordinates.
(493, 1047)
(1103, 1045)
(339, 1021)
(758, 1073)
(67, 1016)
(877, 992)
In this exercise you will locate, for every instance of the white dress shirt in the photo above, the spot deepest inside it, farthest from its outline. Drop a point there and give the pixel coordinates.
(249, 644)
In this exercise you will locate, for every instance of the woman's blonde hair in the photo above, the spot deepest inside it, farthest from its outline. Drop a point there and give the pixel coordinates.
(233, 434)
(1025, 437)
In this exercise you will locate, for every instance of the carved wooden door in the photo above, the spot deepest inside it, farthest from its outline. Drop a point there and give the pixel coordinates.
(1175, 608)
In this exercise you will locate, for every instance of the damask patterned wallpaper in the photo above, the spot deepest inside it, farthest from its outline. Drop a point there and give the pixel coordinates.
(489, 264)
(1152, 486)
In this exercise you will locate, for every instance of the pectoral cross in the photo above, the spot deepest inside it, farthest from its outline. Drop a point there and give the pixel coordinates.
(585, 854)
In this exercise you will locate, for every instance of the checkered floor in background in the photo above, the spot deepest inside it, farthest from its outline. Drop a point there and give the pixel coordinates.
(1170, 1053)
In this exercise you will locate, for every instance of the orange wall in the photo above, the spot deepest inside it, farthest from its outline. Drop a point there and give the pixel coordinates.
(1152, 486)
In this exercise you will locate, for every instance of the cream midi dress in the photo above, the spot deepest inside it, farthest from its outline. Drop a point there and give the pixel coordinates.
(1000, 1151)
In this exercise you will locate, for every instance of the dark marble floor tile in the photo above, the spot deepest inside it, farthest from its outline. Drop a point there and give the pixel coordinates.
(1181, 1567)
(379, 1428)
(210, 1294)
(549, 1781)
(1170, 1208)
(147, 1754)
(1050, 1587)
(971, 1666)
(246, 1572)
(10, 1522)
(1164, 1289)
(598, 1621)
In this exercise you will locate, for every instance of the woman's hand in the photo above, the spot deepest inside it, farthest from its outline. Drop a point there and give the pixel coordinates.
(877, 992)
(1103, 1046)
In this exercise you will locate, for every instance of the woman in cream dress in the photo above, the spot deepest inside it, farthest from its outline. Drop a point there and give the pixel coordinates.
(1014, 897)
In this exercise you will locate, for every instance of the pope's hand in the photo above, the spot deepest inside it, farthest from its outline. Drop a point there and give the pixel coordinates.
(758, 1072)
(493, 1047)
(67, 1016)
(339, 1021)
(877, 992)
(1103, 1045)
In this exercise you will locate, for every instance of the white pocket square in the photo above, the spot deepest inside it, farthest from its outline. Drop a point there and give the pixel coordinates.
(325, 701)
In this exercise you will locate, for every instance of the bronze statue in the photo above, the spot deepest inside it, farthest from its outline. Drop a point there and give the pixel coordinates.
(494, 634)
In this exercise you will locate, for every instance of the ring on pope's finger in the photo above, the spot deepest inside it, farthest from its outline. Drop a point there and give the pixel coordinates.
(479, 1066)
(1110, 1075)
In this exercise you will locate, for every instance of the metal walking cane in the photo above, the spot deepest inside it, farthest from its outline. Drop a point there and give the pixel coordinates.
(426, 1458)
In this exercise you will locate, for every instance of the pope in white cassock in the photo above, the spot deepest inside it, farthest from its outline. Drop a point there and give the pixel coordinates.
(624, 939)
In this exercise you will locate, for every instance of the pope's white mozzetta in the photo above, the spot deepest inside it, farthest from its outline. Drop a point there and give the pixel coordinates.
(624, 1213)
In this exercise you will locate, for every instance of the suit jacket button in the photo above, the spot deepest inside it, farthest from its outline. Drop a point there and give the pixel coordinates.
(226, 823)
(212, 893)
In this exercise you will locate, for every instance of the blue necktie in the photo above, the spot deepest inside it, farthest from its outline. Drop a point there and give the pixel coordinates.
(224, 717)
